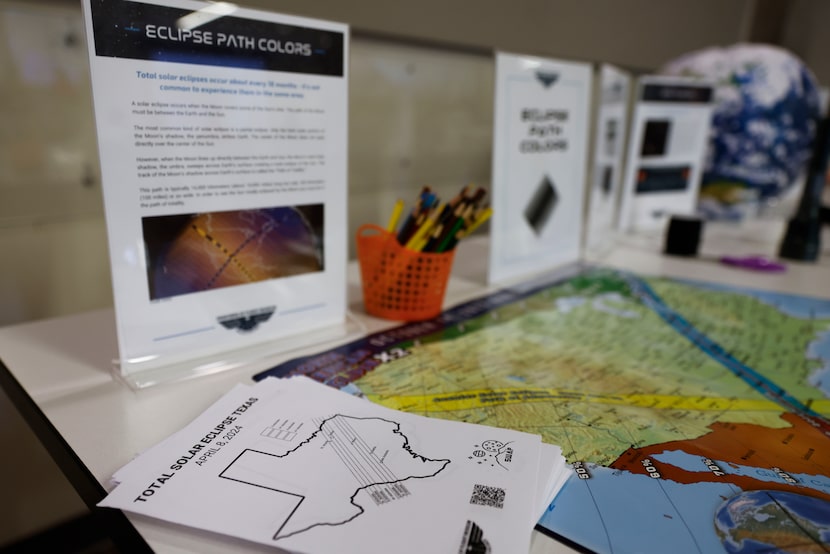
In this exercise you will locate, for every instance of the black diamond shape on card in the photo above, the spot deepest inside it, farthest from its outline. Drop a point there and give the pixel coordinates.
(606, 183)
(541, 205)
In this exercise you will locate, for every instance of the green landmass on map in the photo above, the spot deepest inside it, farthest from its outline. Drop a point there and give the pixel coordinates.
(586, 365)
(759, 335)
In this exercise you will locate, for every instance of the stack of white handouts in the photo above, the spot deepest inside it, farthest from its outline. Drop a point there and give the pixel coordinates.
(298, 465)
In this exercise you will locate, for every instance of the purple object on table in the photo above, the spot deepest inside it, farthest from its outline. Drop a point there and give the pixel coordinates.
(754, 263)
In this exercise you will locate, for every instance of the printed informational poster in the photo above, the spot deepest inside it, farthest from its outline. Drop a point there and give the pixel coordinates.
(669, 134)
(539, 157)
(610, 130)
(222, 137)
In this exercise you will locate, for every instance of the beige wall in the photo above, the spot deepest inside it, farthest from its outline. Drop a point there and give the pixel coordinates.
(417, 116)
(635, 33)
(421, 94)
(805, 33)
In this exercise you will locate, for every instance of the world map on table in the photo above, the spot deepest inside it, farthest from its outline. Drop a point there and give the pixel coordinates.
(695, 416)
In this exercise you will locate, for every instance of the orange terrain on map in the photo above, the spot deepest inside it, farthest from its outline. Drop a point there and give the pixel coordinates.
(778, 454)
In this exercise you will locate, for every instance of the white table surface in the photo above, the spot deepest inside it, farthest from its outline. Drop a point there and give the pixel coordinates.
(65, 364)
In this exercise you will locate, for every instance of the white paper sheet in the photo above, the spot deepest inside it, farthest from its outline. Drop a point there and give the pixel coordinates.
(298, 465)
(553, 473)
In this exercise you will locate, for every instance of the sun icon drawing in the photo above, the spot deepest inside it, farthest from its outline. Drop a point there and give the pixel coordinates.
(493, 453)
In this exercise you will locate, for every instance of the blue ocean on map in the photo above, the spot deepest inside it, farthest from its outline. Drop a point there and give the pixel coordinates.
(618, 508)
(689, 462)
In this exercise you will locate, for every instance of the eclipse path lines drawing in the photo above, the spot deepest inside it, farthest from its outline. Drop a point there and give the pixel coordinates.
(351, 454)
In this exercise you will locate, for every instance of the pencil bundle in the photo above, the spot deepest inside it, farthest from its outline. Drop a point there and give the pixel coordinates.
(435, 226)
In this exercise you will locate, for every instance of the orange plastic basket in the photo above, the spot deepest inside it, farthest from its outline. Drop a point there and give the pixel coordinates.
(399, 283)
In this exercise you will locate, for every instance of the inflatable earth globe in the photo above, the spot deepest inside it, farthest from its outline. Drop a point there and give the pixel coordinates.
(766, 111)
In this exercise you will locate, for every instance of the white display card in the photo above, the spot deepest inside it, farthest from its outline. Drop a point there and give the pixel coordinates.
(539, 158)
(666, 149)
(610, 131)
(223, 141)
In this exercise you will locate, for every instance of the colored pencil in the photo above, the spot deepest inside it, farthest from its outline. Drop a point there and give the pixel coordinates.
(435, 226)
(477, 221)
(396, 215)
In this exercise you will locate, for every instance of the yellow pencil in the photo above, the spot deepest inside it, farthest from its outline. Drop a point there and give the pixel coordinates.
(425, 227)
(396, 215)
(419, 246)
(478, 221)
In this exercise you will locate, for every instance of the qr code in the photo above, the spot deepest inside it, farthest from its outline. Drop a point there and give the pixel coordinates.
(488, 496)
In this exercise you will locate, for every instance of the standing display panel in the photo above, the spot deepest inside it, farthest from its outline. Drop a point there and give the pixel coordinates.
(539, 157)
(610, 131)
(669, 135)
(222, 136)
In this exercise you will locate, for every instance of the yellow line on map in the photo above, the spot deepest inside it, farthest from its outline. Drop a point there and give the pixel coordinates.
(473, 399)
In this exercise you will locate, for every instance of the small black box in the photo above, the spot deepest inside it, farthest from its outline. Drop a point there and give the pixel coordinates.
(683, 235)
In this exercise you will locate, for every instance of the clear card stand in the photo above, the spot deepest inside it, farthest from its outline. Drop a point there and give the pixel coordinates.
(350, 329)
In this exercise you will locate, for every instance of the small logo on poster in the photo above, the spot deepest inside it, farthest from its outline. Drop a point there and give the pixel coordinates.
(473, 541)
(547, 78)
(245, 322)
